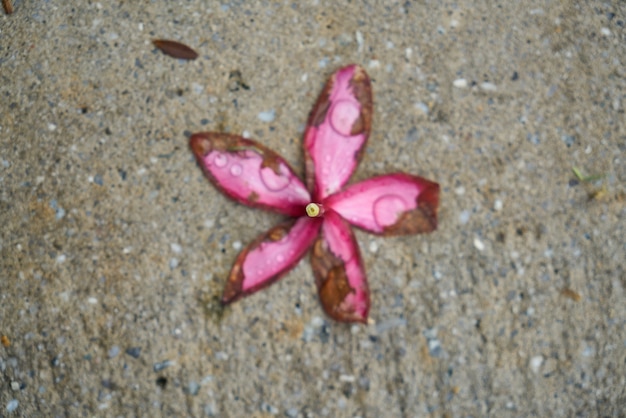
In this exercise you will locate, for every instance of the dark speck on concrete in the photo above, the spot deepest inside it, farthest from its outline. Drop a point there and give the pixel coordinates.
(133, 351)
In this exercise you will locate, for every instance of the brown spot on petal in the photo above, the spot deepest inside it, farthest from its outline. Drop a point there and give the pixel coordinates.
(253, 197)
(332, 282)
(277, 233)
(320, 109)
(362, 91)
(271, 161)
(423, 218)
(200, 145)
(334, 289)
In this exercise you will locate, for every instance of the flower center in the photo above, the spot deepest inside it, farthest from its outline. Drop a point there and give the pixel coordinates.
(314, 210)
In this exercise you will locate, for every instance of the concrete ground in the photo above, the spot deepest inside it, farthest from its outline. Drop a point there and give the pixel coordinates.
(114, 248)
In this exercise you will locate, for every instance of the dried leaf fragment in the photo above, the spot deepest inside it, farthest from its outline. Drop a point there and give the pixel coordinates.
(572, 294)
(175, 49)
(8, 7)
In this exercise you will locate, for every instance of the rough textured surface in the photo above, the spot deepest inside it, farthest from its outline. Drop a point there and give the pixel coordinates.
(114, 248)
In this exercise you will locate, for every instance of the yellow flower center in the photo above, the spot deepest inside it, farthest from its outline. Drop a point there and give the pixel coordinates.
(313, 210)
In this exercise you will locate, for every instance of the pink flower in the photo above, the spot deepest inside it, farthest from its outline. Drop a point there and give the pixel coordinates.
(335, 137)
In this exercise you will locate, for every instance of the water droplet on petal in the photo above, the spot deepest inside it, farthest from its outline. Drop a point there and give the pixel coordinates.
(343, 115)
(274, 181)
(236, 170)
(387, 209)
(220, 159)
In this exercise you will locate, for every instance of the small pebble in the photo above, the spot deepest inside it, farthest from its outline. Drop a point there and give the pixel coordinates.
(464, 217)
(605, 32)
(12, 405)
(173, 262)
(114, 351)
(460, 83)
(157, 367)
(134, 352)
(373, 247)
(487, 86)
(15, 385)
(422, 107)
(237, 245)
(535, 363)
(176, 248)
(193, 388)
(92, 300)
(267, 116)
(497, 205)
(480, 246)
(52, 127)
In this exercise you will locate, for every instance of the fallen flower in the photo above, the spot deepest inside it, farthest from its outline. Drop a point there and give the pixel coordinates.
(336, 133)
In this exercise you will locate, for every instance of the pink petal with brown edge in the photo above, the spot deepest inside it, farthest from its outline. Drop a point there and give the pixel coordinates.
(249, 173)
(270, 256)
(392, 204)
(337, 130)
(339, 273)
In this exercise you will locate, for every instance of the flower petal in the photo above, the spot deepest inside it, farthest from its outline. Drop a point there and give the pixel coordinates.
(339, 273)
(249, 173)
(337, 131)
(392, 204)
(270, 256)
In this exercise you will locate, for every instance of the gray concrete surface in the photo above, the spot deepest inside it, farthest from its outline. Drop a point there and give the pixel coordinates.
(114, 248)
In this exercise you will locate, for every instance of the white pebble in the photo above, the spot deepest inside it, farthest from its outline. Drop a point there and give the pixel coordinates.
(92, 300)
(460, 190)
(52, 127)
(173, 262)
(464, 217)
(346, 378)
(61, 258)
(480, 246)
(267, 116)
(359, 40)
(12, 405)
(176, 248)
(460, 83)
(374, 64)
(373, 247)
(237, 245)
(605, 32)
(535, 363)
(497, 205)
(317, 322)
(422, 107)
(487, 86)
